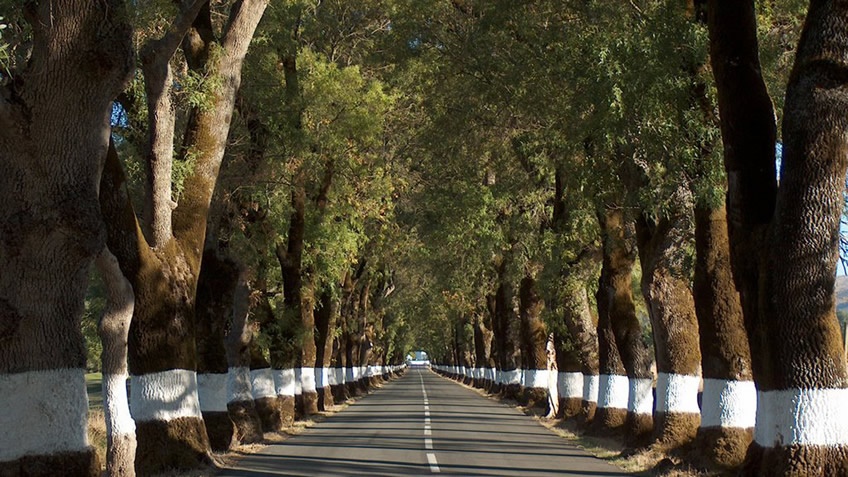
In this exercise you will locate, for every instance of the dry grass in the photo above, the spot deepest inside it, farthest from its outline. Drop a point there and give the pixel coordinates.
(97, 434)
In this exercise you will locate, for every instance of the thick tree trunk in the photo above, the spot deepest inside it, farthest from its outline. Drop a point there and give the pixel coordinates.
(611, 413)
(272, 383)
(534, 338)
(240, 404)
(114, 329)
(672, 310)
(308, 351)
(162, 358)
(215, 299)
(578, 368)
(729, 400)
(482, 351)
(509, 377)
(53, 138)
(803, 378)
(616, 283)
(325, 324)
(749, 136)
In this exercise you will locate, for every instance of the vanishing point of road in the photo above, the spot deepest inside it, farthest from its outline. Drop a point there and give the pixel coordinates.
(423, 424)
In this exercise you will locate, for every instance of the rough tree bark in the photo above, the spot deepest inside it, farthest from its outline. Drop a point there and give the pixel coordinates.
(534, 338)
(803, 377)
(611, 411)
(240, 404)
(672, 310)
(483, 349)
(216, 288)
(616, 294)
(729, 399)
(783, 244)
(509, 377)
(164, 276)
(54, 136)
(272, 382)
(578, 377)
(325, 324)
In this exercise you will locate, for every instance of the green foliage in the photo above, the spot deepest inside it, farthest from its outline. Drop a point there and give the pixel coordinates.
(430, 138)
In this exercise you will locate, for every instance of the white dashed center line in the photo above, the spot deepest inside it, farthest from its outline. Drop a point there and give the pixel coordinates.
(428, 430)
(434, 464)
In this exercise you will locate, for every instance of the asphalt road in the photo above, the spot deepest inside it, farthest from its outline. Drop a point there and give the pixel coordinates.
(423, 424)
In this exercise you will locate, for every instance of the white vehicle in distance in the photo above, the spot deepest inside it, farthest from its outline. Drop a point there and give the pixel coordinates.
(418, 359)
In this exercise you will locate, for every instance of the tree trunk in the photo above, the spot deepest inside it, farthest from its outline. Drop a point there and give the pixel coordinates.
(325, 325)
(53, 138)
(611, 413)
(616, 278)
(729, 399)
(114, 328)
(162, 357)
(509, 377)
(672, 310)
(483, 351)
(578, 367)
(802, 382)
(308, 350)
(534, 337)
(272, 383)
(215, 299)
(240, 404)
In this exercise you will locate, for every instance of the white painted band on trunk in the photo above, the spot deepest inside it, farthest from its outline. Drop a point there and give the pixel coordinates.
(729, 404)
(492, 374)
(239, 387)
(591, 387)
(678, 393)
(263, 383)
(810, 417)
(570, 385)
(333, 376)
(307, 380)
(283, 383)
(341, 375)
(512, 377)
(212, 392)
(298, 381)
(536, 378)
(641, 400)
(614, 391)
(322, 378)
(164, 396)
(43, 412)
(116, 405)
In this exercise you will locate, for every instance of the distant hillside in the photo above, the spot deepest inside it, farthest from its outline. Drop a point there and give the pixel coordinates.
(842, 293)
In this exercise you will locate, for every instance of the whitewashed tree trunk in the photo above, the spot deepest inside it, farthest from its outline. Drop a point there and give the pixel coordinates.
(114, 328)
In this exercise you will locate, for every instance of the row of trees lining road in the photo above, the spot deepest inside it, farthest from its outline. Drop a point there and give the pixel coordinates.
(576, 204)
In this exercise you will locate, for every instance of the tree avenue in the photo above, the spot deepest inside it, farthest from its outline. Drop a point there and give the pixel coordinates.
(622, 216)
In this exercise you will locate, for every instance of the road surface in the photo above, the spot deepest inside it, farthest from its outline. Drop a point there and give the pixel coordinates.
(423, 424)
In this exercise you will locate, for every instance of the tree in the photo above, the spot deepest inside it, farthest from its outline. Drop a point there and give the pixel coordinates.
(162, 258)
(53, 142)
(784, 239)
